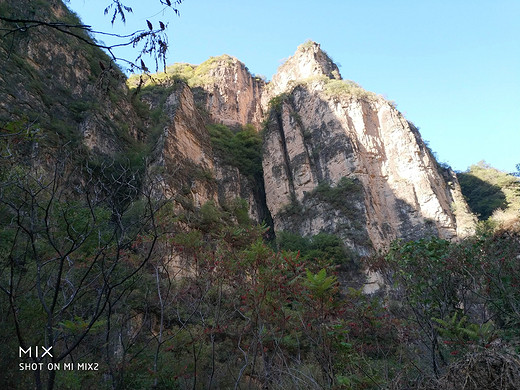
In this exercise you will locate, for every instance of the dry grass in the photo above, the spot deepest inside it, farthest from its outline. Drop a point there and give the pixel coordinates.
(486, 370)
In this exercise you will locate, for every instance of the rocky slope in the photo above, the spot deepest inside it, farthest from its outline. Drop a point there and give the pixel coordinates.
(63, 87)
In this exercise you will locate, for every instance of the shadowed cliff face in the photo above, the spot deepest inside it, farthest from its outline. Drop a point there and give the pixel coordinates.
(55, 81)
(191, 171)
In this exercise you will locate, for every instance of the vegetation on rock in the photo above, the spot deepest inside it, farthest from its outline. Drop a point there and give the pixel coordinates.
(491, 194)
(335, 88)
(241, 148)
(320, 246)
(193, 75)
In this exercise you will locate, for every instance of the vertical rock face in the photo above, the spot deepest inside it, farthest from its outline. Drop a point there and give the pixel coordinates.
(191, 171)
(54, 81)
(183, 149)
(233, 95)
(329, 138)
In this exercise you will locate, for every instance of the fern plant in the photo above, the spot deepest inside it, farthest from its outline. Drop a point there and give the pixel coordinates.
(458, 330)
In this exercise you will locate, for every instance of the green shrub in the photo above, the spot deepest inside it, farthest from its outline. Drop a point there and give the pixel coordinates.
(210, 214)
(241, 149)
(335, 87)
(322, 246)
(341, 196)
(338, 88)
(193, 75)
(487, 189)
(239, 208)
(292, 242)
(80, 109)
(276, 103)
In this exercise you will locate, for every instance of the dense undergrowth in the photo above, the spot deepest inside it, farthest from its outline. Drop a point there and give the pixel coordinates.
(168, 299)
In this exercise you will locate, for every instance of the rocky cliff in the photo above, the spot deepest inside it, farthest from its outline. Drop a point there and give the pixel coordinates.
(324, 135)
(308, 61)
(232, 96)
(192, 172)
(66, 89)
(336, 158)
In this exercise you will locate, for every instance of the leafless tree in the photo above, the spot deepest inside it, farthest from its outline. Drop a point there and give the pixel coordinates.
(77, 239)
(151, 40)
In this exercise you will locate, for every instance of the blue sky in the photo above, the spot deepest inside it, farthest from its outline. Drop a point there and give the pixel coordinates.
(452, 67)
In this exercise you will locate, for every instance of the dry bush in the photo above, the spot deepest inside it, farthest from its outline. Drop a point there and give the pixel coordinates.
(490, 369)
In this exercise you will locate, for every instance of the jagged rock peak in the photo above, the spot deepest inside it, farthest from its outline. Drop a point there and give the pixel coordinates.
(223, 85)
(232, 94)
(219, 64)
(308, 61)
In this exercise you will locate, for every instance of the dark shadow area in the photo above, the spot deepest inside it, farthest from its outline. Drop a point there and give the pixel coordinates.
(483, 198)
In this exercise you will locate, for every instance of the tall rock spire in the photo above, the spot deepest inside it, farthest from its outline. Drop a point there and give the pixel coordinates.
(342, 160)
(308, 61)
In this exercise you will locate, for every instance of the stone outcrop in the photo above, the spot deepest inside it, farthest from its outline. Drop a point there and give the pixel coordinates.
(191, 172)
(54, 81)
(323, 131)
(183, 149)
(232, 96)
(309, 60)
